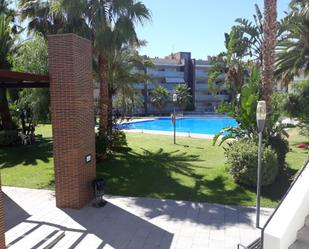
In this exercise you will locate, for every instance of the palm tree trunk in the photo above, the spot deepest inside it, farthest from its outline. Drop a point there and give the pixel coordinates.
(6, 118)
(123, 105)
(269, 45)
(145, 99)
(145, 94)
(110, 113)
(104, 104)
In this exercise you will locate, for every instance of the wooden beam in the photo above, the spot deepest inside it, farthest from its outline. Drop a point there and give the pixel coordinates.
(24, 84)
(9, 79)
(5, 74)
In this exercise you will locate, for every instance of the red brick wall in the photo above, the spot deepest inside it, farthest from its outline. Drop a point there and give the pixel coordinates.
(72, 104)
(2, 239)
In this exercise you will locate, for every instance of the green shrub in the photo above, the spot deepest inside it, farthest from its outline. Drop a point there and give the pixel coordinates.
(281, 146)
(101, 146)
(106, 144)
(117, 140)
(242, 161)
(9, 137)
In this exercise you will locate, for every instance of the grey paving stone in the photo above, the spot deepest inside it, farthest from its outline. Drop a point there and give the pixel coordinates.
(131, 222)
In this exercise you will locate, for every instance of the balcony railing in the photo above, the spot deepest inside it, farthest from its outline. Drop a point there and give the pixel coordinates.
(201, 74)
(165, 74)
(139, 85)
(199, 97)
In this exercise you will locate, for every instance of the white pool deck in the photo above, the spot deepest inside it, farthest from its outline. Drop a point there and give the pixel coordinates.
(126, 223)
(171, 133)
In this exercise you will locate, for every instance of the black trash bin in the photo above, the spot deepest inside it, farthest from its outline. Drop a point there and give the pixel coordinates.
(99, 187)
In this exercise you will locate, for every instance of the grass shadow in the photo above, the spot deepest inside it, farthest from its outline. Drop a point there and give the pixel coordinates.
(26, 154)
(169, 175)
(277, 190)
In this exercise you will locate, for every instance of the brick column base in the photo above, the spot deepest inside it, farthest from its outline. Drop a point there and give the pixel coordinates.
(72, 108)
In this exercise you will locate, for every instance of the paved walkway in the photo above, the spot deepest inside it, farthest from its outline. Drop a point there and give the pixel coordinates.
(127, 223)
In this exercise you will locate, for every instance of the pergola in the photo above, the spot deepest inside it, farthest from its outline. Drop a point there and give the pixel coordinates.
(9, 79)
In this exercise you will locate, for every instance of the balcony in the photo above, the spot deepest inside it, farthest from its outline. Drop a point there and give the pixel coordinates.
(201, 74)
(139, 85)
(199, 97)
(201, 86)
(165, 74)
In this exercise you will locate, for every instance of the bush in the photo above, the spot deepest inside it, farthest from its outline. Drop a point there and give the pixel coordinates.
(106, 144)
(117, 140)
(242, 160)
(101, 142)
(281, 146)
(9, 137)
(297, 105)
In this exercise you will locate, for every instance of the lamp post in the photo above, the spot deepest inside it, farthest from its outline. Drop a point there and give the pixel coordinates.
(174, 102)
(260, 119)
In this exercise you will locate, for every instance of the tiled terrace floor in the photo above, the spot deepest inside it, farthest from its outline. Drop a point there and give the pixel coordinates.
(126, 223)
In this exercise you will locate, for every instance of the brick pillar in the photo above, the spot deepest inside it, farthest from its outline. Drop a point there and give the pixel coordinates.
(71, 90)
(2, 230)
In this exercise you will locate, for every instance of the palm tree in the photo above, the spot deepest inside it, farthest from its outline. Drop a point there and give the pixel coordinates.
(300, 5)
(253, 32)
(183, 95)
(270, 38)
(110, 26)
(143, 63)
(292, 58)
(228, 68)
(43, 16)
(6, 46)
(159, 98)
(123, 73)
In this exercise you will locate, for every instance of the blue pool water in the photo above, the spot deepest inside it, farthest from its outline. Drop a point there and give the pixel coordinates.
(193, 125)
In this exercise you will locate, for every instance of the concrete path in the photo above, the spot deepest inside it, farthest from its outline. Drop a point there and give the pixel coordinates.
(126, 223)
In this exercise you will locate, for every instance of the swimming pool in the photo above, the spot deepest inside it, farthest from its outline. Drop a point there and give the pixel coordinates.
(209, 125)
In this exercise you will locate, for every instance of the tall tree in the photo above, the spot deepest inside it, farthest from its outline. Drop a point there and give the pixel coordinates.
(143, 63)
(269, 44)
(110, 25)
(159, 98)
(292, 58)
(7, 34)
(253, 33)
(31, 57)
(125, 69)
(183, 95)
(229, 68)
(42, 16)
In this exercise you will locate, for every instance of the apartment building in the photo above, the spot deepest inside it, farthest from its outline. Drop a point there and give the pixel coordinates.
(174, 69)
(180, 68)
(168, 72)
(204, 100)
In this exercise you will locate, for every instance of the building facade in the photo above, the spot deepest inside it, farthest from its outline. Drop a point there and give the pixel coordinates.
(204, 99)
(180, 68)
(167, 72)
(174, 69)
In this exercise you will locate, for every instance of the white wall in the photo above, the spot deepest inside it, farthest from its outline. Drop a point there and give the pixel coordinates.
(282, 230)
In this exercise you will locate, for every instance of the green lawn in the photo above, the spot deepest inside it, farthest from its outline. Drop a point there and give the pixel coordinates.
(154, 167)
(29, 166)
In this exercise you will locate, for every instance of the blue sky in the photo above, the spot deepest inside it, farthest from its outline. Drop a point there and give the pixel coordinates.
(196, 26)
